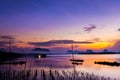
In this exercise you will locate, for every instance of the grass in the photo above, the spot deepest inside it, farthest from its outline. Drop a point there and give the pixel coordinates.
(49, 75)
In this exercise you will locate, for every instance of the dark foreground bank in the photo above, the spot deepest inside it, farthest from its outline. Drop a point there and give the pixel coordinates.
(9, 56)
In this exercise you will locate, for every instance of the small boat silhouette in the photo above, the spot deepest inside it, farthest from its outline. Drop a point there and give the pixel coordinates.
(77, 60)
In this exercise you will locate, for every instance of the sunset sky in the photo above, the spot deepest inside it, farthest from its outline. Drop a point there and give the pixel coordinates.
(55, 24)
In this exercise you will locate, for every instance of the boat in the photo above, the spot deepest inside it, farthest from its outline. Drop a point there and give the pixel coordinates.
(77, 60)
(77, 63)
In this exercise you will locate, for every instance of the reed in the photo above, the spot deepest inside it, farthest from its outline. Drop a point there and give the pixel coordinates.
(49, 75)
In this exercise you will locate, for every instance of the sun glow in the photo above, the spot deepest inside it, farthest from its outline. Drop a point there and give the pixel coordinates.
(97, 45)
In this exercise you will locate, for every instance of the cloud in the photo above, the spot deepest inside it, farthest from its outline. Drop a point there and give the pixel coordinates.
(3, 43)
(95, 40)
(119, 29)
(6, 37)
(18, 41)
(116, 46)
(4, 40)
(55, 42)
(90, 28)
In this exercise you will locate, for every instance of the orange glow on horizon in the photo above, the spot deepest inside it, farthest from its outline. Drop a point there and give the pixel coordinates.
(96, 45)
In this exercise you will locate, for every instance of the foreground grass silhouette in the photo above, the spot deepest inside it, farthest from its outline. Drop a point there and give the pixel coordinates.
(49, 75)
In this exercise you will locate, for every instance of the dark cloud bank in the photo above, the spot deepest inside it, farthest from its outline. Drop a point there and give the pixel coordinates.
(55, 42)
(6, 37)
(4, 40)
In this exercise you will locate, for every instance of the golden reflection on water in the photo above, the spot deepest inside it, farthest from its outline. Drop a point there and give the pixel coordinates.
(103, 70)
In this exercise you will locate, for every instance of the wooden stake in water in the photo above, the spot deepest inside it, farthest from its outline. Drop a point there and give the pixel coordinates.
(9, 46)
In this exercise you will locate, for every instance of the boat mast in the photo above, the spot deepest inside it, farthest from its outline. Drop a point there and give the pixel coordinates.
(72, 51)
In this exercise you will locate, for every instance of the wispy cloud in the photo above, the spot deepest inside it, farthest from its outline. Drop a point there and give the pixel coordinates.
(95, 40)
(4, 40)
(119, 29)
(116, 46)
(6, 37)
(3, 43)
(19, 41)
(55, 42)
(90, 28)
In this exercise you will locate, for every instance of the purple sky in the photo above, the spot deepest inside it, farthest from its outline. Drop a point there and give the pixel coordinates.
(45, 20)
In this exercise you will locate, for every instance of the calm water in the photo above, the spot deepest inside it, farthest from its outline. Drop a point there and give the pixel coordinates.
(61, 62)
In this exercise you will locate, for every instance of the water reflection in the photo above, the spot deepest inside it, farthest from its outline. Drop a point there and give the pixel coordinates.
(62, 62)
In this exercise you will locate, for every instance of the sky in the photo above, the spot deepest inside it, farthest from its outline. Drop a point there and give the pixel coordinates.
(55, 24)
